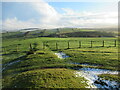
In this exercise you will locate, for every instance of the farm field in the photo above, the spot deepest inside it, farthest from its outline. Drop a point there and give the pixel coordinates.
(35, 58)
(59, 45)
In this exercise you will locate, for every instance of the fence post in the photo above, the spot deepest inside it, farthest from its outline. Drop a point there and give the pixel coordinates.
(115, 43)
(80, 44)
(91, 43)
(68, 45)
(103, 43)
(56, 45)
(30, 46)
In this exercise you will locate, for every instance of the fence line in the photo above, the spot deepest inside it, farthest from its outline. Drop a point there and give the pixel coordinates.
(64, 45)
(80, 44)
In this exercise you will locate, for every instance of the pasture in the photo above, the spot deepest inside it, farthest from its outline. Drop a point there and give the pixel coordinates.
(94, 51)
(79, 49)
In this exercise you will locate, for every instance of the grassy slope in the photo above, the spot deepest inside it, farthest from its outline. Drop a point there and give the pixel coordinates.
(41, 59)
(46, 78)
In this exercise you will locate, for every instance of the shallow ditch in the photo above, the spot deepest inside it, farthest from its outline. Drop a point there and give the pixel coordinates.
(9, 64)
(91, 74)
(13, 62)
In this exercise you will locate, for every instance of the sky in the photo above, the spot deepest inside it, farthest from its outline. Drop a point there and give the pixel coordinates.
(46, 15)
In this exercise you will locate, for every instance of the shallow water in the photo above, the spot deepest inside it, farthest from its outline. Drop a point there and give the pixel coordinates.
(91, 75)
(98, 71)
(84, 64)
(61, 55)
(9, 64)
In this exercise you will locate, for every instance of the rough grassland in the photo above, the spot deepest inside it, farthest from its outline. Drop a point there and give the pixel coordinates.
(44, 69)
(46, 78)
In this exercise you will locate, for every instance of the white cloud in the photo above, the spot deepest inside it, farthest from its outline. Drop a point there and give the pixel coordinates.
(50, 18)
(14, 23)
(47, 13)
(90, 19)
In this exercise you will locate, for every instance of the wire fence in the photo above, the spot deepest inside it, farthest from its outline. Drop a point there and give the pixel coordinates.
(56, 45)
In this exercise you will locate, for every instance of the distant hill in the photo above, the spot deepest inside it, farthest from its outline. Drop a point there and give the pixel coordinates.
(59, 32)
(83, 34)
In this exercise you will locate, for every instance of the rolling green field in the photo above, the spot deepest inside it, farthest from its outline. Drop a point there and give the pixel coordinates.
(39, 67)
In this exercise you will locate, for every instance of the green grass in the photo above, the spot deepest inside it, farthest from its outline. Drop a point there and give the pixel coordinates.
(44, 59)
(40, 59)
(111, 77)
(45, 78)
(85, 54)
(105, 57)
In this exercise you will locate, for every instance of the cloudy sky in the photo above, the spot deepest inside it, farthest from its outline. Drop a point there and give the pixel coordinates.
(20, 15)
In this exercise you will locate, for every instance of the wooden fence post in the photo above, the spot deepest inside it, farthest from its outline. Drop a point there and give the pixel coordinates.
(56, 45)
(80, 44)
(30, 46)
(103, 43)
(115, 43)
(68, 45)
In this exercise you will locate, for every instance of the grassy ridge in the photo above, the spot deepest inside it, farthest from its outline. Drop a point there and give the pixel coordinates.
(40, 60)
(46, 78)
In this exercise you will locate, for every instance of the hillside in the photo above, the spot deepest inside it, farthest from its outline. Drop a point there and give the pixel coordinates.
(61, 32)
